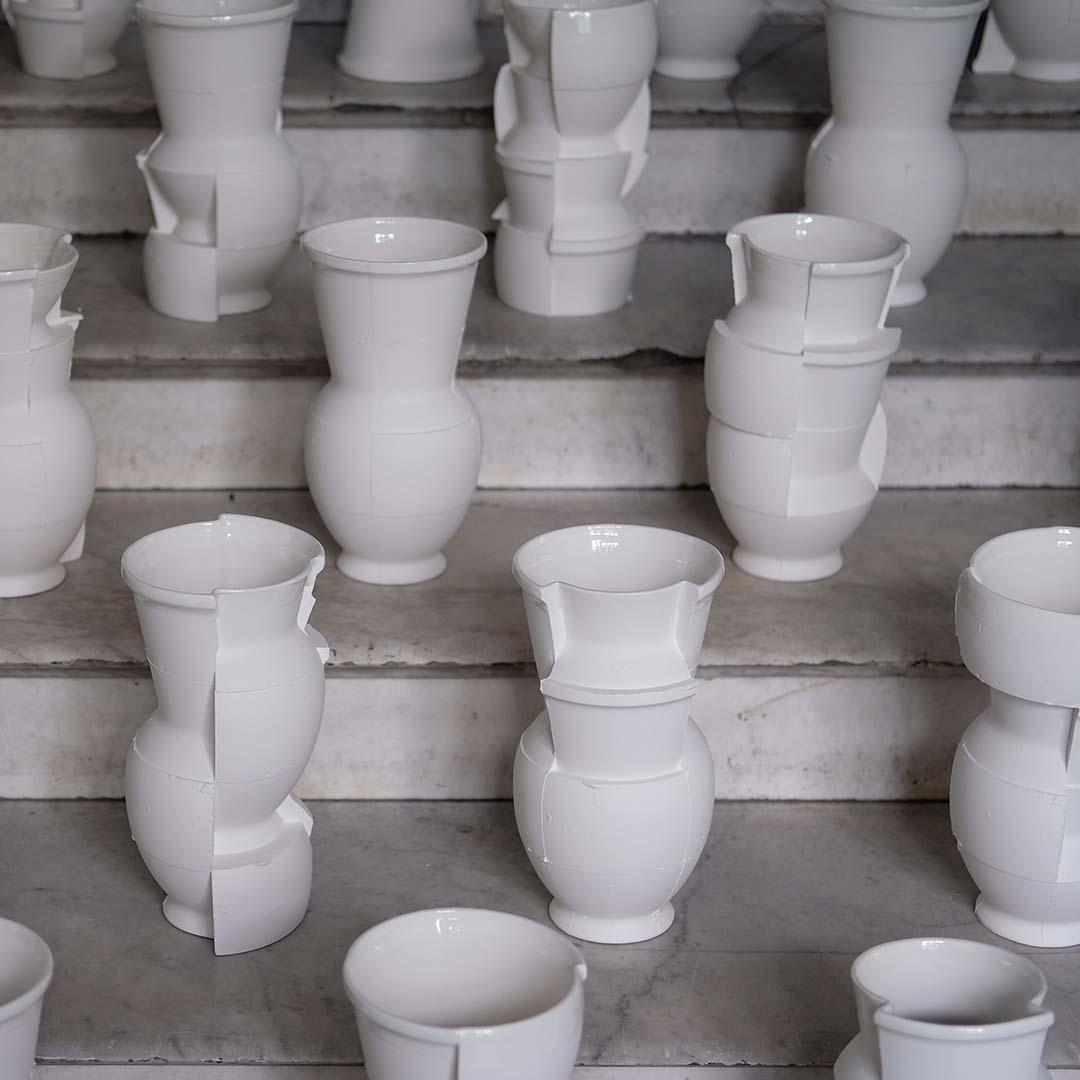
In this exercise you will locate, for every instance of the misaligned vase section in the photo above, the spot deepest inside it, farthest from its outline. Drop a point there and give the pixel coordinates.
(466, 994)
(887, 153)
(702, 39)
(797, 437)
(1032, 39)
(613, 782)
(26, 970)
(938, 1009)
(393, 443)
(48, 453)
(1013, 795)
(223, 181)
(238, 673)
(67, 39)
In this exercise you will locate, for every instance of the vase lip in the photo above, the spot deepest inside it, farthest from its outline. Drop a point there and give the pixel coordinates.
(217, 13)
(911, 9)
(412, 924)
(28, 995)
(33, 10)
(394, 245)
(39, 249)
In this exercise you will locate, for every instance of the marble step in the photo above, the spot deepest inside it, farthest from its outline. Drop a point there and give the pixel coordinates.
(752, 977)
(719, 152)
(983, 392)
(850, 688)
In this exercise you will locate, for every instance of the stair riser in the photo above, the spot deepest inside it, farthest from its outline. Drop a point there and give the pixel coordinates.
(618, 431)
(699, 179)
(337, 11)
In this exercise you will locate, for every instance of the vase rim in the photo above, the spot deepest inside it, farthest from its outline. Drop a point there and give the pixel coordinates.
(39, 249)
(24, 994)
(246, 13)
(912, 9)
(1019, 568)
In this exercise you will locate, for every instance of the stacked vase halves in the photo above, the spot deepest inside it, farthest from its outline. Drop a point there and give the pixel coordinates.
(572, 111)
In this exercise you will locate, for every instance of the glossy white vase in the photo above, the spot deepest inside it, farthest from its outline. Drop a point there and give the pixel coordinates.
(67, 39)
(613, 782)
(1014, 787)
(1032, 39)
(392, 447)
(797, 437)
(26, 969)
(702, 39)
(412, 41)
(943, 1009)
(887, 153)
(224, 183)
(466, 994)
(224, 607)
(48, 454)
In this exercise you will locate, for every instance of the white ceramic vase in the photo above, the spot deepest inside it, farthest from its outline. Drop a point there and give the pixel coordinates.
(67, 39)
(702, 39)
(224, 607)
(412, 41)
(797, 437)
(48, 455)
(943, 1009)
(613, 782)
(26, 969)
(1014, 795)
(1032, 39)
(393, 443)
(224, 182)
(466, 994)
(887, 153)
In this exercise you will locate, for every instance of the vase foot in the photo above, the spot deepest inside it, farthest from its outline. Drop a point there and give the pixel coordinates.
(1041, 935)
(612, 931)
(101, 64)
(908, 293)
(190, 920)
(697, 70)
(773, 568)
(244, 301)
(377, 572)
(13, 585)
(1046, 70)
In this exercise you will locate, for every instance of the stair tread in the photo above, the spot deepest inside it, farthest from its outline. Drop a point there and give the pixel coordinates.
(754, 972)
(993, 301)
(888, 611)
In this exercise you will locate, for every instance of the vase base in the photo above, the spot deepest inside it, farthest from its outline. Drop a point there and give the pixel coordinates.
(466, 69)
(612, 931)
(375, 572)
(190, 920)
(13, 585)
(908, 293)
(1046, 71)
(244, 301)
(697, 70)
(774, 568)
(1041, 935)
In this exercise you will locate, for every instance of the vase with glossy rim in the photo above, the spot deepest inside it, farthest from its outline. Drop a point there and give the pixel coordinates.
(466, 994)
(238, 672)
(26, 970)
(887, 153)
(224, 182)
(1032, 39)
(48, 453)
(1013, 795)
(393, 443)
(613, 782)
(702, 39)
(411, 41)
(944, 1009)
(69, 39)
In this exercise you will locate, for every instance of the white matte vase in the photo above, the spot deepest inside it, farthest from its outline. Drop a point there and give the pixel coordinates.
(466, 994)
(702, 39)
(48, 454)
(944, 1009)
(26, 969)
(1015, 793)
(67, 39)
(238, 672)
(224, 183)
(613, 781)
(392, 447)
(1032, 39)
(887, 153)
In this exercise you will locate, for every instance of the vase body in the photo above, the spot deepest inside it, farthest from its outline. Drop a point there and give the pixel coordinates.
(613, 782)
(1013, 793)
(797, 436)
(392, 447)
(702, 39)
(48, 454)
(887, 153)
(942, 1009)
(571, 122)
(1032, 39)
(466, 994)
(413, 41)
(224, 183)
(67, 39)
(26, 969)
(223, 607)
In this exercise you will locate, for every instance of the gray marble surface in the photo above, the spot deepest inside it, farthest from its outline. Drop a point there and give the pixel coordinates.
(889, 610)
(754, 972)
(992, 302)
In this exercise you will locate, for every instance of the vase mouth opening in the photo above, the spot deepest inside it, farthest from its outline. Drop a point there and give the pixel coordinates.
(911, 9)
(214, 12)
(235, 553)
(1038, 568)
(26, 968)
(825, 240)
(618, 559)
(399, 245)
(26, 249)
(439, 974)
